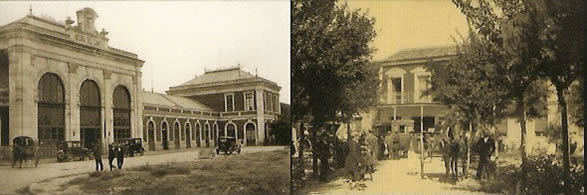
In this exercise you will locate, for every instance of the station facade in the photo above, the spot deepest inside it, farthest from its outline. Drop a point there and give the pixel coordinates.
(62, 82)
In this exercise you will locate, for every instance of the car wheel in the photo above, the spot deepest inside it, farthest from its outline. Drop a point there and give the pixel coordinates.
(60, 156)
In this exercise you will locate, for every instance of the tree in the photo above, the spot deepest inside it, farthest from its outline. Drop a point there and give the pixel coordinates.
(558, 49)
(281, 129)
(469, 85)
(330, 53)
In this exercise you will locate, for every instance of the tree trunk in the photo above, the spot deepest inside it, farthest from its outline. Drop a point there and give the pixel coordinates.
(301, 141)
(469, 148)
(314, 151)
(348, 133)
(522, 118)
(562, 104)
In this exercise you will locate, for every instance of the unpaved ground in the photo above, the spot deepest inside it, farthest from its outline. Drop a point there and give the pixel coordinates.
(260, 170)
(401, 177)
(13, 178)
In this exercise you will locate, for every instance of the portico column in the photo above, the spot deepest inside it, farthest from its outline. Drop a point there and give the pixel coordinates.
(260, 117)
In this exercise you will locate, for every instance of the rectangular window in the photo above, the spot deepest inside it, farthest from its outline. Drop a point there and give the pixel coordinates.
(275, 104)
(229, 103)
(249, 101)
(397, 90)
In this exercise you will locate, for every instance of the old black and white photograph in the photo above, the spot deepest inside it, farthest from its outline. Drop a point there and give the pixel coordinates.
(437, 97)
(153, 97)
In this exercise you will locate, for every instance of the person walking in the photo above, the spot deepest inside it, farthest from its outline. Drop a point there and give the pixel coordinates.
(455, 149)
(119, 155)
(111, 155)
(486, 147)
(388, 141)
(353, 161)
(98, 155)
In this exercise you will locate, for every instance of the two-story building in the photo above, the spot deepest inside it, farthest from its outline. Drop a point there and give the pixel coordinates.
(401, 106)
(62, 82)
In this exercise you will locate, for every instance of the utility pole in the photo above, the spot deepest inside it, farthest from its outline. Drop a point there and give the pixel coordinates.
(422, 141)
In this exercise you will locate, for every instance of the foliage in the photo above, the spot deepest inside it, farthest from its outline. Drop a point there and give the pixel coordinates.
(544, 177)
(281, 129)
(297, 173)
(330, 55)
(576, 103)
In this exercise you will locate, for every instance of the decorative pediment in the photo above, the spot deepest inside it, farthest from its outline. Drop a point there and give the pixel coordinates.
(85, 30)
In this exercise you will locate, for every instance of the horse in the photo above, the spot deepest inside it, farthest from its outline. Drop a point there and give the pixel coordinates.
(24, 148)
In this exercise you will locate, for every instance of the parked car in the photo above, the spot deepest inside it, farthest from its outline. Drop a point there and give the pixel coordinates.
(227, 145)
(70, 150)
(133, 146)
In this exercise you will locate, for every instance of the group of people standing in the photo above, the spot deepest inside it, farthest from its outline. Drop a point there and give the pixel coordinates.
(114, 151)
(361, 157)
(454, 149)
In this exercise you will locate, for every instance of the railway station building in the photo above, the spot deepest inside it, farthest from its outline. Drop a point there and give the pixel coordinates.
(63, 82)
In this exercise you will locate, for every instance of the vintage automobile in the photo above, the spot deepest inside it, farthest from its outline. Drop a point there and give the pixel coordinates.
(24, 148)
(70, 150)
(227, 145)
(133, 146)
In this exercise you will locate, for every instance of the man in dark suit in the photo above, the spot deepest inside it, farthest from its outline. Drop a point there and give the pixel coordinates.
(120, 155)
(98, 155)
(486, 147)
(111, 155)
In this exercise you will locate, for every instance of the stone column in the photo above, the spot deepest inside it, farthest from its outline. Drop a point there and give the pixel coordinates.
(108, 106)
(73, 113)
(260, 117)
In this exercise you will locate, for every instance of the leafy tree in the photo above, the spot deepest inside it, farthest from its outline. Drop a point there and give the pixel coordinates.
(330, 53)
(281, 129)
(556, 44)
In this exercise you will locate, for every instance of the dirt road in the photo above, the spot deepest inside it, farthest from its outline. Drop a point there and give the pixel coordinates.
(12, 179)
(402, 177)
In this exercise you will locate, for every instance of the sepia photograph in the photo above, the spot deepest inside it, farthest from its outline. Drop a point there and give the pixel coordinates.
(153, 97)
(437, 97)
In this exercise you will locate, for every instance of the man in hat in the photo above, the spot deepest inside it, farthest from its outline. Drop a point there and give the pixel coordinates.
(98, 155)
(486, 147)
(353, 159)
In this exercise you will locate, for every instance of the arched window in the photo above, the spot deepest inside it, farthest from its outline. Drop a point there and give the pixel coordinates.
(251, 133)
(51, 113)
(121, 98)
(90, 116)
(151, 135)
(176, 134)
(214, 131)
(207, 132)
(230, 130)
(51, 116)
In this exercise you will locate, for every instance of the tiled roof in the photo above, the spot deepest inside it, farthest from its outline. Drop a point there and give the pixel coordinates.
(418, 53)
(219, 76)
(173, 101)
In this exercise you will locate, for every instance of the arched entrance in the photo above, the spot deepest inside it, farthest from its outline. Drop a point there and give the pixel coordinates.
(164, 137)
(251, 134)
(230, 130)
(197, 132)
(176, 135)
(51, 114)
(151, 135)
(207, 134)
(187, 133)
(121, 98)
(90, 113)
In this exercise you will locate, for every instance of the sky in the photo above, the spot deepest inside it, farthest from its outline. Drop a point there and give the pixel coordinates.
(406, 24)
(179, 40)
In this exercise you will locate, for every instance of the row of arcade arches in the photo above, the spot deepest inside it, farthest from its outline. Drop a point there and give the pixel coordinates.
(202, 135)
(51, 113)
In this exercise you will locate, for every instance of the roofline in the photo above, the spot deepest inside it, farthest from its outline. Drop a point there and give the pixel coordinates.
(407, 61)
(224, 83)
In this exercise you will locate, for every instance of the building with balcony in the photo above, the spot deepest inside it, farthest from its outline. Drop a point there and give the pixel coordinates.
(401, 106)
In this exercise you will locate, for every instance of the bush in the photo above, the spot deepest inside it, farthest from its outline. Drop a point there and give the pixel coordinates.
(544, 176)
(298, 173)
